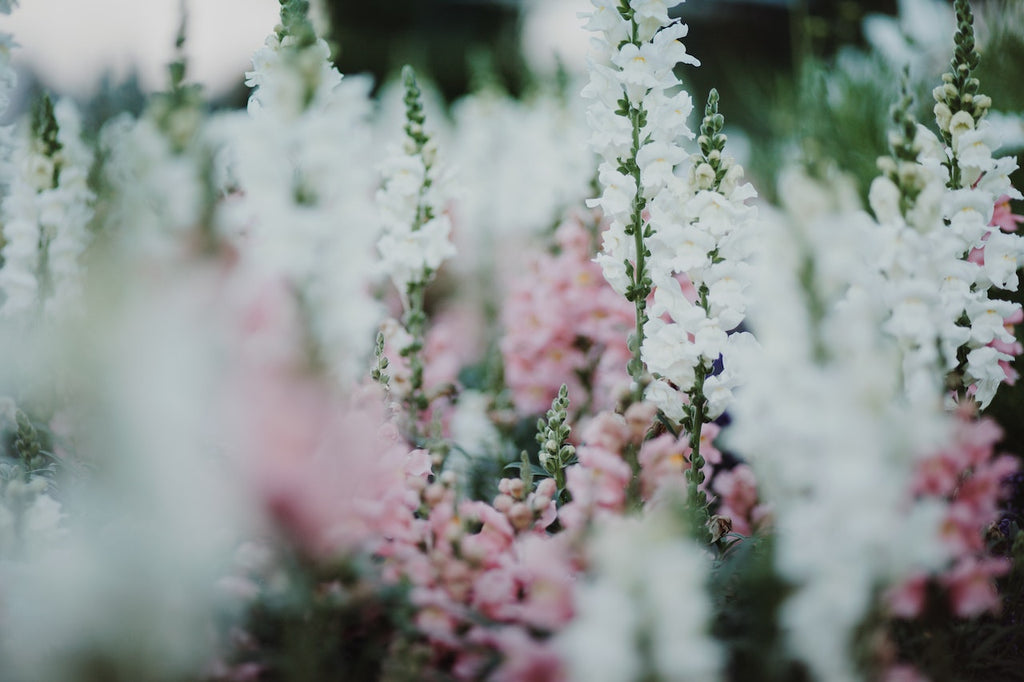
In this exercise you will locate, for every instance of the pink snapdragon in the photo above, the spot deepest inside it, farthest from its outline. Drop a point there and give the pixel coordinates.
(968, 477)
(737, 492)
(562, 321)
(665, 459)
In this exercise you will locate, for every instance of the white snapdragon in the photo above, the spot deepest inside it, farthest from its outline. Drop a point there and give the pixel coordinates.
(647, 586)
(825, 424)
(303, 212)
(416, 237)
(705, 237)
(637, 116)
(45, 215)
(522, 163)
(166, 147)
(149, 531)
(935, 202)
(416, 230)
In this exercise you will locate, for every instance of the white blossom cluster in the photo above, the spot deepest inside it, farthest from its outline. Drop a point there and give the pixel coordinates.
(416, 229)
(496, 137)
(8, 78)
(45, 215)
(144, 157)
(831, 436)
(940, 254)
(706, 238)
(638, 117)
(645, 611)
(301, 209)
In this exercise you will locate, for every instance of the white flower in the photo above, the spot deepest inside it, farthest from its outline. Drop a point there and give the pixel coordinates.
(987, 374)
(619, 192)
(1003, 254)
(884, 198)
(647, 583)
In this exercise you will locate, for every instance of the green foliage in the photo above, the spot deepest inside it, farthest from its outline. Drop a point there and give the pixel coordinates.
(747, 595)
(332, 623)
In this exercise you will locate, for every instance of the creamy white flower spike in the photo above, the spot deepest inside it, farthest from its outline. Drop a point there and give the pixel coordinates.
(637, 116)
(45, 215)
(825, 423)
(301, 180)
(647, 585)
(934, 203)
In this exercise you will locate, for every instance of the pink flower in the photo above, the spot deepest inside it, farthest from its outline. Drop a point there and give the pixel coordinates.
(601, 478)
(494, 538)
(562, 322)
(907, 599)
(526, 659)
(971, 587)
(546, 574)
(903, 673)
(1003, 216)
(665, 459)
(737, 490)
(607, 430)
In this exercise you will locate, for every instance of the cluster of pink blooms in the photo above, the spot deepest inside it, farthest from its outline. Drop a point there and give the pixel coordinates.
(564, 323)
(968, 477)
(451, 342)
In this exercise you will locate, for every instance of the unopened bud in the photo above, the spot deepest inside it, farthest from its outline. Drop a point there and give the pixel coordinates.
(503, 503)
(516, 487)
(520, 516)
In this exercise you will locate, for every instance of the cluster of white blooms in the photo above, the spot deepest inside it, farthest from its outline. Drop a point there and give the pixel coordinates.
(645, 611)
(416, 236)
(942, 256)
(8, 78)
(45, 213)
(706, 238)
(497, 137)
(301, 209)
(30, 518)
(166, 147)
(832, 438)
(145, 540)
(637, 117)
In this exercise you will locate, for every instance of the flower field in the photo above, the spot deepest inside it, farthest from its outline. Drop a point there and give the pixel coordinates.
(597, 382)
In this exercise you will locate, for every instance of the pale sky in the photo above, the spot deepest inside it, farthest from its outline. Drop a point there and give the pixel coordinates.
(69, 43)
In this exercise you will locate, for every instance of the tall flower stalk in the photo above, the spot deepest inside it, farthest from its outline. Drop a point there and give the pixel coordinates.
(935, 203)
(638, 117)
(705, 238)
(416, 238)
(303, 213)
(45, 214)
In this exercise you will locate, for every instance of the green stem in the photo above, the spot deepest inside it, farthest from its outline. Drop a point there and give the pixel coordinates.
(641, 288)
(415, 324)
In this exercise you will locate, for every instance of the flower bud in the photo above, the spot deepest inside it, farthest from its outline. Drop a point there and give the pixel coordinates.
(516, 488)
(942, 115)
(520, 516)
(503, 503)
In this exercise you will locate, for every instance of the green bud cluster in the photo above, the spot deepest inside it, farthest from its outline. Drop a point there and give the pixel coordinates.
(27, 444)
(417, 140)
(379, 373)
(295, 23)
(552, 435)
(44, 135)
(901, 166)
(710, 165)
(959, 91)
